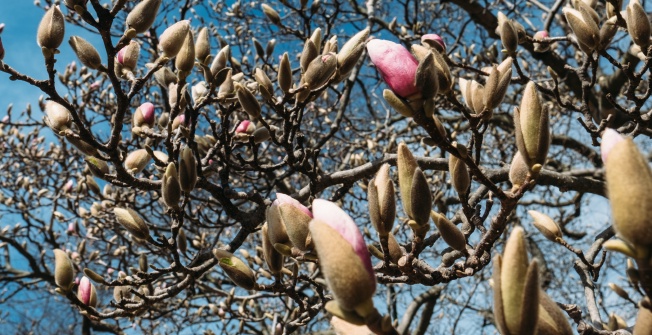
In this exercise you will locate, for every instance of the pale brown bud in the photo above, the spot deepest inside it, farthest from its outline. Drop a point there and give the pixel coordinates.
(186, 56)
(399, 105)
(395, 249)
(137, 160)
(83, 146)
(607, 32)
(611, 10)
(94, 276)
(420, 198)
(351, 52)
(585, 28)
(508, 34)
(382, 202)
(187, 170)
(219, 63)
(460, 177)
(547, 226)
(532, 128)
(638, 24)
(51, 30)
(518, 171)
(426, 77)
(182, 241)
(141, 18)
(497, 84)
(272, 257)
(265, 85)
(316, 39)
(227, 89)
(170, 188)
(449, 232)
(203, 46)
(619, 291)
(172, 39)
(271, 14)
(164, 77)
(64, 275)
(85, 52)
(98, 167)
(261, 135)
(406, 166)
(285, 73)
(130, 220)
(57, 117)
(307, 55)
(248, 101)
(320, 70)
(236, 269)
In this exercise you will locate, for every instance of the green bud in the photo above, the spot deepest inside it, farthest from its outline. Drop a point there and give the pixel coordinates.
(236, 269)
(64, 275)
(130, 220)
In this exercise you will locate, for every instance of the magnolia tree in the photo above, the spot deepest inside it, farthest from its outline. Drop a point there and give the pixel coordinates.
(331, 166)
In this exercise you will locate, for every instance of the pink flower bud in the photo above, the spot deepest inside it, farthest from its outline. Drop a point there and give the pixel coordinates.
(245, 127)
(434, 41)
(396, 64)
(84, 291)
(541, 34)
(72, 228)
(609, 139)
(94, 86)
(68, 186)
(286, 199)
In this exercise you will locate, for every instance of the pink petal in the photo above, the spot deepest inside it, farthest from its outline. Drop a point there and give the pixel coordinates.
(121, 55)
(610, 138)
(242, 127)
(84, 291)
(336, 218)
(436, 38)
(396, 64)
(147, 110)
(286, 199)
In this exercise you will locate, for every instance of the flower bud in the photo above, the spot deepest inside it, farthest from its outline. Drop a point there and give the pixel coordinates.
(92, 185)
(395, 249)
(382, 202)
(288, 223)
(86, 292)
(51, 30)
(273, 258)
(219, 62)
(130, 220)
(497, 84)
(227, 89)
(611, 10)
(343, 256)
(320, 70)
(172, 39)
(236, 269)
(307, 55)
(638, 24)
(271, 14)
(57, 117)
(248, 101)
(433, 41)
(541, 47)
(98, 167)
(316, 38)
(426, 77)
(400, 105)
(203, 46)
(136, 161)
(459, 175)
(187, 170)
(449, 232)
(518, 171)
(643, 321)
(547, 226)
(351, 52)
(182, 241)
(83, 146)
(64, 275)
(164, 77)
(128, 56)
(420, 198)
(85, 52)
(607, 32)
(246, 127)
(532, 128)
(396, 65)
(185, 60)
(285, 73)
(406, 166)
(144, 115)
(78, 6)
(141, 18)
(508, 34)
(170, 188)
(584, 27)
(629, 180)
(261, 135)
(265, 86)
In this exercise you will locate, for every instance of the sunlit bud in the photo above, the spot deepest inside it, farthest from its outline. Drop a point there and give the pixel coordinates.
(643, 321)
(85, 52)
(331, 45)
(351, 52)
(406, 166)
(50, 31)
(307, 55)
(130, 220)
(497, 84)
(459, 175)
(426, 77)
(629, 181)
(246, 127)
(86, 292)
(607, 32)
(638, 24)
(219, 62)
(172, 39)
(443, 71)
(78, 6)
(382, 201)
(178, 121)
(265, 85)
(98, 167)
(398, 103)
(396, 65)
(92, 185)
(433, 41)
(137, 160)
(164, 76)
(199, 92)
(64, 275)
(619, 291)
(57, 117)
(420, 198)
(128, 56)
(273, 258)
(271, 14)
(343, 256)
(541, 47)
(186, 56)
(94, 276)
(448, 231)
(203, 45)
(611, 10)
(248, 101)
(236, 269)
(285, 73)
(83, 146)
(261, 135)
(227, 89)
(187, 170)
(320, 70)
(182, 241)
(508, 34)
(532, 128)
(547, 226)
(288, 224)
(585, 28)
(518, 171)
(141, 18)
(316, 38)
(144, 115)
(170, 188)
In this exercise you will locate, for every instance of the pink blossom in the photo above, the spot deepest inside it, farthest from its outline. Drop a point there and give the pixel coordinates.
(610, 138)
(286, 199)
(68, 186)
(94, 86)
(72, 228)
(435, 41)
(336, 218)
(84, 291)
(245, 127)
(121, 55)
(396, 64)
(541, 34)
(147, 110)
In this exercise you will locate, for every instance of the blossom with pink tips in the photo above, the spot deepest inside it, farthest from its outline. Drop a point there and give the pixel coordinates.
(86, 292)
(434, 41)
(147, 110)
(286, 199)
(609, 139)
(396, 64)
(245, 127)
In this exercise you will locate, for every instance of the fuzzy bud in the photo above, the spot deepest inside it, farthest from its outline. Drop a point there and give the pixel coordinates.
(98, 167)
(382, 202)
(128, 56)
(248, 101)
(273, 258)
(426, 77)
(271, 14)
(141, 18)
(585, 28)
(245, 127)
(265, 85)
(261, 135)
(172, 39)
(406, 166)
(398, 103)
(460, 177)
(236, 269)
(57, 117)
(137, 160)
(449, 232)
(351, 52)
(320, 70)
(187, 170)
(638, 24)
(85, 52)
(532, 128)
(170, 188)
(541, 47)
(508, 34)
(288, 224)
(285, 73)
(497, 84)
(144, 116)
(134, 223)
(547, 226)
(64, 275)
(203, 46)
(185, 60)
(51, 30)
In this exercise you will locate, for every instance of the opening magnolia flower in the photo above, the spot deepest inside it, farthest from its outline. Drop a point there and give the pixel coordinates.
(396, 64)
